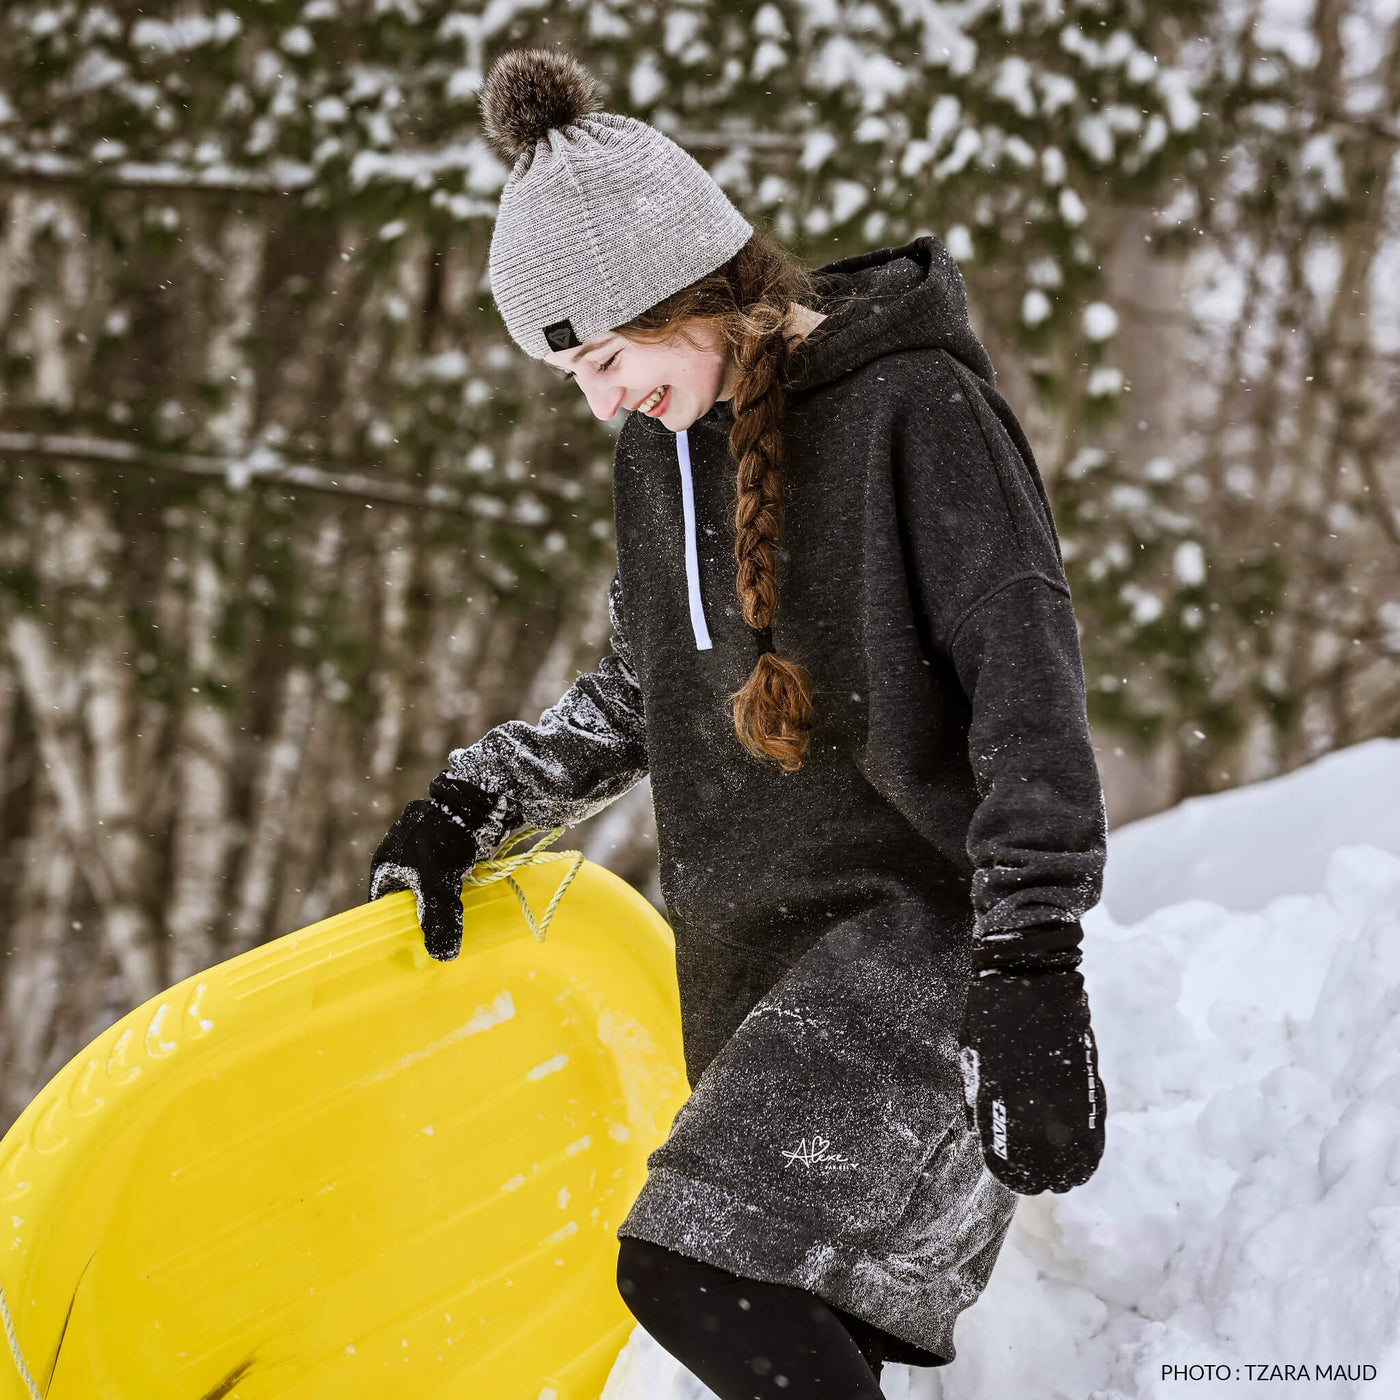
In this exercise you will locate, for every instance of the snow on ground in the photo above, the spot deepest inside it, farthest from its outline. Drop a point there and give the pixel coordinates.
(1245, 847)
(1247, 1209)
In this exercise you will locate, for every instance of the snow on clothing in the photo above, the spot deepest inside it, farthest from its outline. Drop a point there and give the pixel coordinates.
(824, 919)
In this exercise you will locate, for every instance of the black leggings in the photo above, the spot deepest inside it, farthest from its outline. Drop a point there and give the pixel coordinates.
(746, 1339)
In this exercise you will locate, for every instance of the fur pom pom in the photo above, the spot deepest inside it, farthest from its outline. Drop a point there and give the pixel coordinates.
(529, 92)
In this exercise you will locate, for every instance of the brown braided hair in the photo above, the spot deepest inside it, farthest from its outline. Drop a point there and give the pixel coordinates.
(746, 305)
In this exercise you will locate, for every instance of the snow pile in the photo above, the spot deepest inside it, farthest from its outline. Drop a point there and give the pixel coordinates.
(1246, 1215)
(1245, 847)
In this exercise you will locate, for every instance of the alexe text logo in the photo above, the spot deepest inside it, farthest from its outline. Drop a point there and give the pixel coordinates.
(818, 1151)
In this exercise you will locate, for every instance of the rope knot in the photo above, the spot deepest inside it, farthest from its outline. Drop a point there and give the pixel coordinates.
(502, 867)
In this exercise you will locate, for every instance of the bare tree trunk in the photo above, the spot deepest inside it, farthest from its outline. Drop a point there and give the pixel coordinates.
(275, 783)
(1346, 369)
(585, 631)
(118, 797)
(53, 694)
(33, 978)
(241, 247)
(308, 814)
(204, 758)
(10, 757)
(448, 674)
(394, 568)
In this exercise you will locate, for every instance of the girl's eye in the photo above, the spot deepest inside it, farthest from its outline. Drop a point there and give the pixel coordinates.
(607, 364)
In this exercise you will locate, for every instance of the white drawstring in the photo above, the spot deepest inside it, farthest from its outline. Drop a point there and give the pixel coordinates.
(692, 555)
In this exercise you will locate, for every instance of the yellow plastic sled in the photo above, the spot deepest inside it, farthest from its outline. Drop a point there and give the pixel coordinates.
(332, 1167)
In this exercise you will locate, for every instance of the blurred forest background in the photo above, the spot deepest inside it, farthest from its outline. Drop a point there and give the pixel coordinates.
(284, 514)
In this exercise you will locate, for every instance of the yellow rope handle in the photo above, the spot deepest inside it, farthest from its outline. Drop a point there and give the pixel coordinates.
(14, 1348)
(502, 867)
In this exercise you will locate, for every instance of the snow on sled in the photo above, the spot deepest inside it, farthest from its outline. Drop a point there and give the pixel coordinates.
(333, 1167)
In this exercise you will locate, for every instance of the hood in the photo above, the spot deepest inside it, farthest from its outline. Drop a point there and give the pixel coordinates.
(876, 303)
(903, 298)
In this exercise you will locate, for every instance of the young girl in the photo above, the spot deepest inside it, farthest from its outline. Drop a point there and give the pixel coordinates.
(844, 649)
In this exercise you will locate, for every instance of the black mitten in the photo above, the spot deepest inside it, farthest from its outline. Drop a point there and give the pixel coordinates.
(430, 849)
(1030, 1064)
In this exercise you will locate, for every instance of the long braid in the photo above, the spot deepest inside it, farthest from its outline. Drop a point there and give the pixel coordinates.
(773, 711)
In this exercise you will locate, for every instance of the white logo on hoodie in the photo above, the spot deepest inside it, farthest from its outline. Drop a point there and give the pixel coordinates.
(819, 1150)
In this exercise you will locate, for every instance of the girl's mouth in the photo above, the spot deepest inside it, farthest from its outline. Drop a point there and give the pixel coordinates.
(657, 405)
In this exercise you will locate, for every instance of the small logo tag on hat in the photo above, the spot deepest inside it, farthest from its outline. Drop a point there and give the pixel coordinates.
(561, 336)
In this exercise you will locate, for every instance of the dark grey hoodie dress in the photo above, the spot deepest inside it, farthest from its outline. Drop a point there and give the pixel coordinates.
(823, 919)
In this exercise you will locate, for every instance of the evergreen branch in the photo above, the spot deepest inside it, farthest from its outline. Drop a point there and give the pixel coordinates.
(259, 466)
(284, 178)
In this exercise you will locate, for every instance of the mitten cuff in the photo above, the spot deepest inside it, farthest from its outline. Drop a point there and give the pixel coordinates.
(388, 876)
(486, 815)
(1039, 948)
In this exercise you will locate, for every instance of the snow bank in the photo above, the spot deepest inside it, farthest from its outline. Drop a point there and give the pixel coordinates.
(1245, 847)
(1247, 1210)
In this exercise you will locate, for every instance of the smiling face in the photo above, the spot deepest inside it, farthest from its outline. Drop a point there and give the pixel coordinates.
(617, 373)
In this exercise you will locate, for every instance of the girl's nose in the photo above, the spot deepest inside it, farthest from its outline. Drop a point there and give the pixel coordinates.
(604, 402)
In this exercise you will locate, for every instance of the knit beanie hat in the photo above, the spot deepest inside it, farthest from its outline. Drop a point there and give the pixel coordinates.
(601, 217)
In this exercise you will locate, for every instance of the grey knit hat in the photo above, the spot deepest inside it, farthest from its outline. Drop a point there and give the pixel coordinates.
(601, 217)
